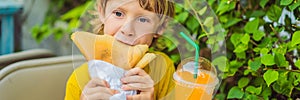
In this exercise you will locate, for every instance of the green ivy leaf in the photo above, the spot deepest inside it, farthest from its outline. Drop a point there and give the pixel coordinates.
(235, 39)
(297, 63)
(254, 90)
(192, 23)
(274, 13)
(245, 39)
(182, 17)
(232, 22)
(258, 13)
(296, 38)
(178, 8)
(235, 92)
(220, 96)
(247, 71)
(294, 6)
(241, 55)
(209, 21)
(295, 77)
(280, 49)
(243, 82)
(266, 93)
(251, 97)
(221, 62)
(252, 26)
(240, 48)
(224, 7)
(262, 3)
(255, 65)
(258, 35)
(259, 81)
(202, 11)
(270, 76)
(257, 49)
(285, 2)
(280, 60)
(265, 43)
(264, 51)
(175, 57)
(267, 60)
(236, 64)
(284, 88)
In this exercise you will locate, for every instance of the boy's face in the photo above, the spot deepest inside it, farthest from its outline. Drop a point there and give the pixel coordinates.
(129, 23)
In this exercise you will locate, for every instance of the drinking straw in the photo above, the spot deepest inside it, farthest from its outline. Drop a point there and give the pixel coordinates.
(189, 40)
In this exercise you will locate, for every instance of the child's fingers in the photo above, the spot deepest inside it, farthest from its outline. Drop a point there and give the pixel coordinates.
(137, 79)
(99, 96)
(133, 97)
(136, 71)
(100, 89)
(133, 79)
(97, 82)
(143, 96)
(137, 86)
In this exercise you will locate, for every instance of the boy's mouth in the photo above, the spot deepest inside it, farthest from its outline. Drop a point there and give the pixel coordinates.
(125, 42)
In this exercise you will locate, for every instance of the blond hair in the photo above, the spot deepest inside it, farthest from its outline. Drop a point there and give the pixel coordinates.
(163, 8)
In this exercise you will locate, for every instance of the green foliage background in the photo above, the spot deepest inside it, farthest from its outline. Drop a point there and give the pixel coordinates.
(262, 43)
(263, 63)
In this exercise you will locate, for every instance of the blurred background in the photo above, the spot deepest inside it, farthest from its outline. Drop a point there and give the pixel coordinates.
(34, 25)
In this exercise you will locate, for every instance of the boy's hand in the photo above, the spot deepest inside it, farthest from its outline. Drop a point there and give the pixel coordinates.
(97, 89)
(138, 79)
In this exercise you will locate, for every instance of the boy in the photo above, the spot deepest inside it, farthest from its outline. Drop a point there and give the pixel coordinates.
(131, 22)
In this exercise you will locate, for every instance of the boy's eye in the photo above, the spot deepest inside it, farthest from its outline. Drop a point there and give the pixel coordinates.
(118, 13)
(143, 20)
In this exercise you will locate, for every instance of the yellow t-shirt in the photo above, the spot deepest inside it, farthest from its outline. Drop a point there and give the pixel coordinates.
(160, 69)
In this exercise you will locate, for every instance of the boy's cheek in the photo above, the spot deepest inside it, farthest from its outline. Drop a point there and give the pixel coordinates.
(144, 40)
(107, 30)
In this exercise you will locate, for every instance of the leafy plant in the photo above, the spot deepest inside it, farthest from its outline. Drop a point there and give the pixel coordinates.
(61, 18)
(262, 44)
(262, 48)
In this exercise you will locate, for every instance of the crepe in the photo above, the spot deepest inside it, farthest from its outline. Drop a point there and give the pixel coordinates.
(108, 49)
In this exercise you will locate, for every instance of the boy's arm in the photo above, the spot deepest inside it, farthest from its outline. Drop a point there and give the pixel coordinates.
(73, 90)
(161, 71)
(78, 79)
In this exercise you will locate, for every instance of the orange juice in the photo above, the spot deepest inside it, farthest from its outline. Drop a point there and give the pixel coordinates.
(188, 88)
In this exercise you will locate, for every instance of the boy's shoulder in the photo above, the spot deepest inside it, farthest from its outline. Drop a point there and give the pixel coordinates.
(161, 54)
(162, 57)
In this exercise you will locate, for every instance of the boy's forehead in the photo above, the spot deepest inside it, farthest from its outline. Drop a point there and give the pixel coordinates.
(119, 3)
(127, 6)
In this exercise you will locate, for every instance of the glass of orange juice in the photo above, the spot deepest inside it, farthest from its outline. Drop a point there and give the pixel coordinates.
(189, 88)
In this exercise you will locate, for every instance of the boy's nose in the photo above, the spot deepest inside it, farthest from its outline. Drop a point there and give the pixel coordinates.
(128, 29)
(127, 33)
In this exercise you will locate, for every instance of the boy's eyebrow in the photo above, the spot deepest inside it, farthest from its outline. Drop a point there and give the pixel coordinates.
(122, 9)
(147, 13)
(144, 13)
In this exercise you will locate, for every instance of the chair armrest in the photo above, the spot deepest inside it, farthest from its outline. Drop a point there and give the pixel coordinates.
(24, 55)
(37, 79)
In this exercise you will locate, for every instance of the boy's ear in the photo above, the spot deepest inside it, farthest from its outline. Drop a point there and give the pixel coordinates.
(160, 30)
